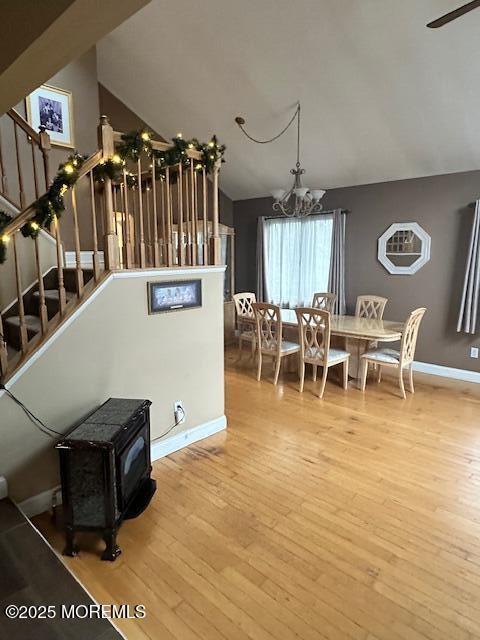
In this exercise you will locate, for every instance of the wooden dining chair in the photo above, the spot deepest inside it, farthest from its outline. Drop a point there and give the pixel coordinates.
(325, 301)
(269, 337)
(314, 339)
(371, 307)
(401, 359)
(245, 319)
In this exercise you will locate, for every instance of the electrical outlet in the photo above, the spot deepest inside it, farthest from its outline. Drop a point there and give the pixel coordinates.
(473, 352)
(179, 412)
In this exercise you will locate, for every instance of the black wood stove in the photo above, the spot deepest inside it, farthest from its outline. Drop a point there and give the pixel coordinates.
(105, 470)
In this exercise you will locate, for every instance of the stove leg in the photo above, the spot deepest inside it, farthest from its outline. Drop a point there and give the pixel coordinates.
(70, 547)
(112, 550)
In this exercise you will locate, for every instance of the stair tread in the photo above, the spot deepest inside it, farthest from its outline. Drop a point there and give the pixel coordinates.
(52, 294)
(31, 322)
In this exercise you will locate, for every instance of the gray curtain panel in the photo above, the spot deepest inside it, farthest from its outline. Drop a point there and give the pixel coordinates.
(336, 280)
(467, 317)
(261, 287)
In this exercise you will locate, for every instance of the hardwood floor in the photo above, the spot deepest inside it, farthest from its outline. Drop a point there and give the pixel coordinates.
(356, 516)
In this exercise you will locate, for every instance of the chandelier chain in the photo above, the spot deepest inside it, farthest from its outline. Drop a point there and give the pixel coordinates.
(295, 115)
(298, 201)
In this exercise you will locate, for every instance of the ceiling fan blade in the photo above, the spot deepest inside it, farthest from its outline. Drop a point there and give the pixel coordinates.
(448, 17)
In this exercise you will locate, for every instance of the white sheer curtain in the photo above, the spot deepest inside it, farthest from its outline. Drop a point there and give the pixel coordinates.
(297, 256)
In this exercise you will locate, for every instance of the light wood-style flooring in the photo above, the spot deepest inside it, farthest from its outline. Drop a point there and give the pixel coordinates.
(352, 517)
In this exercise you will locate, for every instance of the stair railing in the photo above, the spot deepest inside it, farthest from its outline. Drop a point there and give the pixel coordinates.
(163, 220)
(25, 172)
(145, 223)
(77, 225)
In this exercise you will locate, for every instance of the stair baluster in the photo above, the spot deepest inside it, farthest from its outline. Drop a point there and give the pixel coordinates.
(168, 216)
(164, 232)
(205, 216)
(21, 192)
(62, 298)
(34, 165)
(45, 147)
(93, 209)
(3, 177)
(22, 327)
(148, 243)
(127, 240)
(140, 216)
(42, 307)
(188, 231)
(215, 243)
(180, 243)
(156, 246)
(3, 350)
(193, 197)
(76, 235)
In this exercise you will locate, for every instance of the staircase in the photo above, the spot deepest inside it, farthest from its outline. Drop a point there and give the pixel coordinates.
(32, 310)
(139, 221)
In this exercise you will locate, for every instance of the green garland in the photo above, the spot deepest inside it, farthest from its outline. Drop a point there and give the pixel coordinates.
(5, 220)
(134, 143)
(51, 205)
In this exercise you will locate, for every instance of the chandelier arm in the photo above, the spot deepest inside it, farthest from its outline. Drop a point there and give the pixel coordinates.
(238, 120)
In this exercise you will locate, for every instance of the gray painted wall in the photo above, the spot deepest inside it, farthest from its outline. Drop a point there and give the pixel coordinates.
(440, 205)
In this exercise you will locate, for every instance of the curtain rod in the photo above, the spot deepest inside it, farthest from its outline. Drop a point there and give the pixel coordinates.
(321, 213)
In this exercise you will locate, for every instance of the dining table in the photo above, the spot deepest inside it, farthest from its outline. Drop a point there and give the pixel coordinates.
(354, 334)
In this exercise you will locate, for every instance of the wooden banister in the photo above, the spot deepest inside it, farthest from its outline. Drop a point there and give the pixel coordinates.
(23, 124)
(158, 145)
(29, 212)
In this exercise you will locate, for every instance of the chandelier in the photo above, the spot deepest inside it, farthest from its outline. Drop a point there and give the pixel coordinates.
(297, 201)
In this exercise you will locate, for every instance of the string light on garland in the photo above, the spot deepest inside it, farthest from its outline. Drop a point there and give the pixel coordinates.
(51, 205)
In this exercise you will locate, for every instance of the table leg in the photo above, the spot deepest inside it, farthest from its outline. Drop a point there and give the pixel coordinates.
(356, 347)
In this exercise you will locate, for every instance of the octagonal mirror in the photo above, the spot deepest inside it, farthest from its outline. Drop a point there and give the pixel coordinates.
(404, 248)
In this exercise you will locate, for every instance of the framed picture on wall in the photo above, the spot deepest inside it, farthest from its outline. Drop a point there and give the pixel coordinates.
(171, 296)
(51, 108)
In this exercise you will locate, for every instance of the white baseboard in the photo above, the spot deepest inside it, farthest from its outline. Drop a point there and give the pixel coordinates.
(40, 503)
(159, 449)
(447, 372)
(164, 447)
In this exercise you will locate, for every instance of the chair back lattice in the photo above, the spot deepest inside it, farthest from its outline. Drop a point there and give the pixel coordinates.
(314, 334)
(410, 334)
(269, 326)
(243, 304)
(325, 301)
(370, 307)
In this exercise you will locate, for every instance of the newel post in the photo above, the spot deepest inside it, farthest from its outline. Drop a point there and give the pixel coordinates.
(45, 148)
(110, 240)
(215, 243)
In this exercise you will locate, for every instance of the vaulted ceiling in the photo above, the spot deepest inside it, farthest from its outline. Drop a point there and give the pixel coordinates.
(382, 96)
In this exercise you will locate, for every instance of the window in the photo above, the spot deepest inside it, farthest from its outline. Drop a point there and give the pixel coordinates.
(297, 258)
